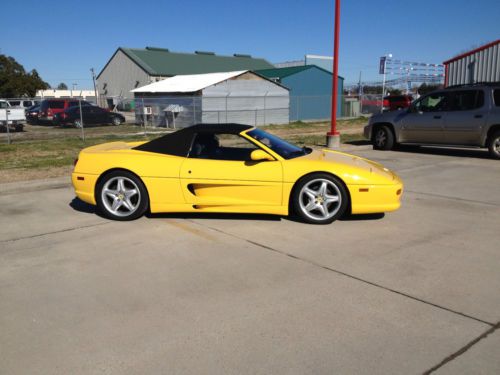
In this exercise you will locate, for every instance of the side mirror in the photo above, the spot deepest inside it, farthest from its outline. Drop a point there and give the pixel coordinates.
(260, 155)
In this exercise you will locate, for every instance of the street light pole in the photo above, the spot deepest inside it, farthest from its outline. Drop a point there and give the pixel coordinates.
(333, 136)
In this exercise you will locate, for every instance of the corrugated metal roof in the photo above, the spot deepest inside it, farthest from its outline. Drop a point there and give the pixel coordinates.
(162, 62)
(288, 71)
(188, 83)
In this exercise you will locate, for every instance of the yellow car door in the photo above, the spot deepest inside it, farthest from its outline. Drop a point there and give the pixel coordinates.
(220, 174)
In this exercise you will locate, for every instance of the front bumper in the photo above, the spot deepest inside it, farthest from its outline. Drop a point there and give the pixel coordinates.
(370, 199)
(367, 131)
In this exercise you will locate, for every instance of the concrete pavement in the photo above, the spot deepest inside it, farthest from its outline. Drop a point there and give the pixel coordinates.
(409, 292)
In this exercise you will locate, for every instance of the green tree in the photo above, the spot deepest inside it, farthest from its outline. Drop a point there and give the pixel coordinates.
(16, 82)
(62, 86)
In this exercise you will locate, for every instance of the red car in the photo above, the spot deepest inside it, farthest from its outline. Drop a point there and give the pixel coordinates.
(395, 102)
(49, 107)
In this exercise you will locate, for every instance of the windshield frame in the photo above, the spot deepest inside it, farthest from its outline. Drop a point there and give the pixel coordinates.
(279, 146)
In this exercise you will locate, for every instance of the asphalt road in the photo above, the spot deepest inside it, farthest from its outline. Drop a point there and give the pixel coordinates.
(413, 291)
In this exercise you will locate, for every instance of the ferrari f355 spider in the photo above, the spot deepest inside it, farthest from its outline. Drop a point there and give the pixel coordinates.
(231, 168)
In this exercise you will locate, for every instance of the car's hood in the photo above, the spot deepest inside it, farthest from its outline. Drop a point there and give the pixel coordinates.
(391, 116)
(360, 167)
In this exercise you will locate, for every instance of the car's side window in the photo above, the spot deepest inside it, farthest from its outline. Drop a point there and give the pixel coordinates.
(496, 97)
(432, 103)
(221, 147)
(467, 100)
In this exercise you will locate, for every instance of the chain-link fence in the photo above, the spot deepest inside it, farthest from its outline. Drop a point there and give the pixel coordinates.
(163, 113)
(182, 111)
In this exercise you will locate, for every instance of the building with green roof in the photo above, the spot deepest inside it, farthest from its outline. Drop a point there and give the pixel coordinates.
(130, 68)
(310, 90)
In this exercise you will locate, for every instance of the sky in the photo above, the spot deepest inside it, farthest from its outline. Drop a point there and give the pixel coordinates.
(62, 40)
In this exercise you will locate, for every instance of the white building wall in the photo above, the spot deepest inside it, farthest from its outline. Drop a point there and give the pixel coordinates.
(246, 99)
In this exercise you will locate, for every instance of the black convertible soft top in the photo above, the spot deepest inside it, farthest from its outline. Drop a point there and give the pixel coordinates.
(179, 143)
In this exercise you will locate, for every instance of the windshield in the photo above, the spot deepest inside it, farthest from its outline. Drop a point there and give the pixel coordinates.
(282, 148)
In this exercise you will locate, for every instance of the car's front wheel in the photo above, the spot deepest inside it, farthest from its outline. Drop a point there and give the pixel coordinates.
(494, 145)
(320, 199)
(383, 138)
(121, 195)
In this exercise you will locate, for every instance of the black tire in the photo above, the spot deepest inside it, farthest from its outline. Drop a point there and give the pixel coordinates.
(383, 138)
(301, 199)
(493, 144)
(130, 207)
(115, 120)
(77, 123)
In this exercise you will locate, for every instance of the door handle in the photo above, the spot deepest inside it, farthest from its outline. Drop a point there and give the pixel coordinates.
(437, 117)
(478, 116)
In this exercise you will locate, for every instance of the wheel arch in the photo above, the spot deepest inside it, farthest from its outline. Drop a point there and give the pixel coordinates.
(493, 129)
(111, 170)
(292, 191)
(378, 125)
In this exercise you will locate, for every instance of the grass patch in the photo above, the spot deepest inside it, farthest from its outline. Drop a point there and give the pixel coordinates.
(51, 153)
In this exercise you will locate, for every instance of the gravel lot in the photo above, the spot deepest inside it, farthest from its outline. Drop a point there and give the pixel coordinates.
(406, 293)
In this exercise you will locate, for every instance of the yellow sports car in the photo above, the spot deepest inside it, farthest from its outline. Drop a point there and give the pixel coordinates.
(231, 168)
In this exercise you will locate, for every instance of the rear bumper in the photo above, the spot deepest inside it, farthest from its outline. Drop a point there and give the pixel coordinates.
(84, 185)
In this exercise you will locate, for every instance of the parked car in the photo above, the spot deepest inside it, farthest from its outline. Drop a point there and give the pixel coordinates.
(395, 102)
(49, 107)
(14, 118)
(23, 103)
(468, 115)
(90, 114)
(32, 114)
(231, 168)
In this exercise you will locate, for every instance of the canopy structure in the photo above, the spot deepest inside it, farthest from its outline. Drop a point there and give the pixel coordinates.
(187, 83)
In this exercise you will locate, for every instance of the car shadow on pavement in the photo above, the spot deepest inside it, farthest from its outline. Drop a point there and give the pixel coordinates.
(362, 217)
(445, 151)
(211, 216)
(80, 206)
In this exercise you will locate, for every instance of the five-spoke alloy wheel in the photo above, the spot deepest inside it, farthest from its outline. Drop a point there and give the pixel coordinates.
(121, 195)
(320, 198)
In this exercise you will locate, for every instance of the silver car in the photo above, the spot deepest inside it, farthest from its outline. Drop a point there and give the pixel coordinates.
(462, 116)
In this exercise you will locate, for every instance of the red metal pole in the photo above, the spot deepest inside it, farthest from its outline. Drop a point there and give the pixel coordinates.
(335, 88)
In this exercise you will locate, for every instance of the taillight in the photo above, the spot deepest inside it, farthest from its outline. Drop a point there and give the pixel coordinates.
(386, 103)
(49, 112)
(64, 115)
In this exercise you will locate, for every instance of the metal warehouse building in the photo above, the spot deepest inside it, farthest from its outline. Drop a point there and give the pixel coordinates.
(228, 97)
(479, 65)
(130, 68)
(310, 90)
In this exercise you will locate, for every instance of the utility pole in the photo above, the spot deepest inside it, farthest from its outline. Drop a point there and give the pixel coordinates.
(95, 89)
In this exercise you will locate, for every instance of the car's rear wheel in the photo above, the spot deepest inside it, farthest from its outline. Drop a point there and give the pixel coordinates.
(320, 199)
(121, 195)
(116, 120)
(383, 138)
(77, 123)
(494, 145)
